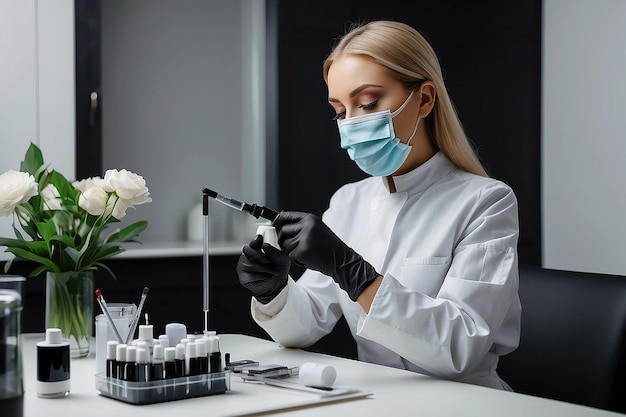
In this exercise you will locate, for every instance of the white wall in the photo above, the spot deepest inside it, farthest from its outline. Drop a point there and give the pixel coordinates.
(584, 135)
(181, 100)
(36, 85)
(57, 91)
(253, 100)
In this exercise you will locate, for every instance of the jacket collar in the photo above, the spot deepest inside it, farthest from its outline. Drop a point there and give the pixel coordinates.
(424, 175)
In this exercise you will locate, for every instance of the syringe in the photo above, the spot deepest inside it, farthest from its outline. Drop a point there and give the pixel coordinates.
(253, 209)
(205, 263)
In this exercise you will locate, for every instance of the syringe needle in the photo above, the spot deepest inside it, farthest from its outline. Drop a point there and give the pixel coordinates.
(205, 259)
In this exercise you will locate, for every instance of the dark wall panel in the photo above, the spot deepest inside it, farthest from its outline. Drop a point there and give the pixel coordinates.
(490, 52)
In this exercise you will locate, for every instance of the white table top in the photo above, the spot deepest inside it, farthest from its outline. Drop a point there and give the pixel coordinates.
(399, 392)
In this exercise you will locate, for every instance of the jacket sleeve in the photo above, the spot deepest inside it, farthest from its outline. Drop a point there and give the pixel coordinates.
(311, 308)
(448, 335)
(310, 311)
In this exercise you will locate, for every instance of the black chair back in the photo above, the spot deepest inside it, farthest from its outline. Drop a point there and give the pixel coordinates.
(572, 343)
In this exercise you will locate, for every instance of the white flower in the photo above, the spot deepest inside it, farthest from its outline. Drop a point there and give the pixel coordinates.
(93, 197)
(51, 198)
(117, 207)
(93, 200)
(15, 188)
(129, 187)
(85, 184)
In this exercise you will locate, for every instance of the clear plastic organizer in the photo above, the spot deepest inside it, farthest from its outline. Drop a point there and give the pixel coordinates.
(163, 390)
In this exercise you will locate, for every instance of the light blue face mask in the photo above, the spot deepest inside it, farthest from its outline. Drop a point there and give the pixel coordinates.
(371, 142)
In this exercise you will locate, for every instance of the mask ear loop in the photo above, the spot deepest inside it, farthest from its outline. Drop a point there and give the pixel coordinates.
(414, 130)
(397, 112)
(408, 142)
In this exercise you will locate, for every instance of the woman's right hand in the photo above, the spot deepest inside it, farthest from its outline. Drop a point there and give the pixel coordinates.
(263, 272)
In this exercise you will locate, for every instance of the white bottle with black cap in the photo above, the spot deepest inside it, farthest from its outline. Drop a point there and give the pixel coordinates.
(142, 367)
(53, 365)
(215, 356)
(130, 366)
(120, 358)
(111, 362)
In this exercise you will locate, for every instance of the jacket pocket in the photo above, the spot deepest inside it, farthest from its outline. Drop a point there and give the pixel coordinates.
(425, 275)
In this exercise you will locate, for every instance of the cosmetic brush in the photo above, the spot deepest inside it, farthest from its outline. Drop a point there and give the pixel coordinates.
(105, 310)
(133, 326)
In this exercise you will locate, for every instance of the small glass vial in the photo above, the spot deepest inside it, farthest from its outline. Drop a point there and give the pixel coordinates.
(269, 234)
(53, 365)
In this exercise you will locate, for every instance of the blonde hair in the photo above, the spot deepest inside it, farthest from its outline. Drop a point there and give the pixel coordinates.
(412, 60)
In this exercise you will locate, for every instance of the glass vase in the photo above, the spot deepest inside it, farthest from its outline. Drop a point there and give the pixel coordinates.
(69, 307)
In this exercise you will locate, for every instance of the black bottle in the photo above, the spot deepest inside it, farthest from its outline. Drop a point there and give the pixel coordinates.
(53, 365)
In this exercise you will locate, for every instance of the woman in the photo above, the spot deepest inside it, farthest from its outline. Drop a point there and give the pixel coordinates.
(421, 257)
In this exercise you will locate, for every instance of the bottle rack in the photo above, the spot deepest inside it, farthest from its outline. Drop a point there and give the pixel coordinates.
(163, 390)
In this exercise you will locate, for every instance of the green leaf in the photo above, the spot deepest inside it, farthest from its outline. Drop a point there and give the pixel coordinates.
(36, 246)
(106, 268)
(64, 221)
(27, 216)
(33, 160)
(38, 271)
(51, 266)
(16, 243)
(105, 251)
(7, 265)
(18, 234)
(65, 240)
(127, 233)
(82, 256)
(46, 229)
(73, 254)
(64, 187)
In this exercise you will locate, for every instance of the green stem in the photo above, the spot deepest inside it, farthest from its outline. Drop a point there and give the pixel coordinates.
(66, 304)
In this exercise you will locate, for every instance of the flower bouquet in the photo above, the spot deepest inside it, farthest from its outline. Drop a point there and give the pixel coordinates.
(60, 226)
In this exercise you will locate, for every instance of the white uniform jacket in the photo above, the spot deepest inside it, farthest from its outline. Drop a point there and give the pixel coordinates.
(446, 245)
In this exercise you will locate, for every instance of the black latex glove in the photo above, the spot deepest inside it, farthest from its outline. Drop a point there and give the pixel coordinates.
(309, 242)
(263, 273)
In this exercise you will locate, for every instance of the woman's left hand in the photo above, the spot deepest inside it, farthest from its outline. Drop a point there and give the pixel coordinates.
(308, 241)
